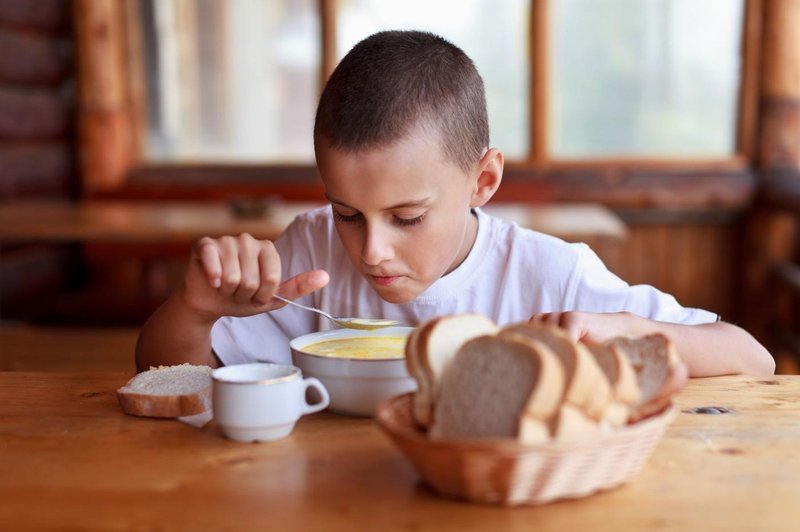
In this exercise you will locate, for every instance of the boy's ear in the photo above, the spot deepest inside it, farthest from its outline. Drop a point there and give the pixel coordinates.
(490, 173)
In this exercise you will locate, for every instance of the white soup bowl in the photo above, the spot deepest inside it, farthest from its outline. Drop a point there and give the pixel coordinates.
(355, 385)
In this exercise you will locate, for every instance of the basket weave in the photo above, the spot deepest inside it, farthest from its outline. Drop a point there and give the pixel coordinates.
(511, 473)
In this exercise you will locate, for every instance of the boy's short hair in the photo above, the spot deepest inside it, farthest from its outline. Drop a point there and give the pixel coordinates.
(394, 81)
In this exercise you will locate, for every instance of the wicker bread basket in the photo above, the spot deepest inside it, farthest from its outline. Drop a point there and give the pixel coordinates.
(511, 473)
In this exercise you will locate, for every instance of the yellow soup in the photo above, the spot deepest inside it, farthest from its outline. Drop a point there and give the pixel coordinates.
(360, 347)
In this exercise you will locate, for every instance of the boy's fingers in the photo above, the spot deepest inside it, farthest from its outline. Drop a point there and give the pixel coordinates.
(248, 249)
(545, 317)
(269, 265)
(207, 254)
(565, 320)
(304, 283)
(231, 272)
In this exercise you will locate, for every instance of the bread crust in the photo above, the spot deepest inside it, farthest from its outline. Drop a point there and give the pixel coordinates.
(135, 402)
(660, 372)
(572, 424)
(622, 378)
(430, 362)
(147, 405)
(420, 401)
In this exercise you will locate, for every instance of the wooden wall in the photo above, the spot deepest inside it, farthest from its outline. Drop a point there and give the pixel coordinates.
(36, 136)
(772, 251)
(696, 261)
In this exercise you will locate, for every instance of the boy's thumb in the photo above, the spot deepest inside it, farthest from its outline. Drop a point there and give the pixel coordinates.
(303, 283)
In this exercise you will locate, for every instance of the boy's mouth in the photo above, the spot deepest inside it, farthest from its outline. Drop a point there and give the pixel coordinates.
(384, 281)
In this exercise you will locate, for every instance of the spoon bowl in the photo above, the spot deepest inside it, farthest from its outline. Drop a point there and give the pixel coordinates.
(364, 324)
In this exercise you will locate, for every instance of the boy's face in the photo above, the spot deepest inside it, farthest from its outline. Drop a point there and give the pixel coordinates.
(402, 212)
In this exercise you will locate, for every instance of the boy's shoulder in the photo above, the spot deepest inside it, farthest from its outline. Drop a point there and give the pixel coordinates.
(316, 215)
(313, 221)
(504, 233)
(514, 244)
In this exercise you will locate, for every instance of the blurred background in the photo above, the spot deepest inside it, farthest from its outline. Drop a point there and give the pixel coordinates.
(665, 133)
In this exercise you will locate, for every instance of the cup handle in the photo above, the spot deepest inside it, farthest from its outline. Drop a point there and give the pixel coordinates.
(311, 382)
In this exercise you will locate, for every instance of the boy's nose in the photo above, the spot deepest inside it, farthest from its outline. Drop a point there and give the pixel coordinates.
(377, 247)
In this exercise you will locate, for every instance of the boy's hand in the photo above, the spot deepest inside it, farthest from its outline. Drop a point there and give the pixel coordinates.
(594, 326)
(237, 276)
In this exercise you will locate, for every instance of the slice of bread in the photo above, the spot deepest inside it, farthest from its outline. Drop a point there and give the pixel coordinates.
(586, 387)
(167, 391)
(497, 387)
(532, 383)
(622, 378)
(660, 373)
(430, 351)
(571, 424)
(420, 403)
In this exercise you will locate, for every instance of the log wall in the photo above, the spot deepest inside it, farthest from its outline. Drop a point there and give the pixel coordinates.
(696, 259)
(772, 277)
(36, 137)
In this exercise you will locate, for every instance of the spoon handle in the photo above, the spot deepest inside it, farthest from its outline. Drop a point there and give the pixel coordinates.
(312, 309)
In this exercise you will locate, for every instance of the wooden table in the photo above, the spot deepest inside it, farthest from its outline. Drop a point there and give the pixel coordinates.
(69, 459)
(148, 222)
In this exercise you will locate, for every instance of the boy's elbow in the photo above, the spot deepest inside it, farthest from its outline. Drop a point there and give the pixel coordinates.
(759, 360)
(752, 358)
(763, 363)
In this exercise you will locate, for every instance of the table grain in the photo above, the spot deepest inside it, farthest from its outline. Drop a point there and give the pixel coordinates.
(69, 458)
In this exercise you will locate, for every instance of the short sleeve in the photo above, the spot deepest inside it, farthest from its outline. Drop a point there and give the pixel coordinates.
(597, 289)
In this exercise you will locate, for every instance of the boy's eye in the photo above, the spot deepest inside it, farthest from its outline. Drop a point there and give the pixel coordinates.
(397, 220)
(346, 217)
(405, 222)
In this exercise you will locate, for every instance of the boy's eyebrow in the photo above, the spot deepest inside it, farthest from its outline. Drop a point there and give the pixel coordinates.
(405, 204)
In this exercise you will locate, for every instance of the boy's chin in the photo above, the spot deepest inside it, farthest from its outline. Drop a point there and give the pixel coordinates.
(397, 295)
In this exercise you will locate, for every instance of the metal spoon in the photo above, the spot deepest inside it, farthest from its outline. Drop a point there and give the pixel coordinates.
(350, 323)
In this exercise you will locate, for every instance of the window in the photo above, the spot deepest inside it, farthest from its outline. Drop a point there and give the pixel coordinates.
(644, 78)
(238, 80)
(230, 81)
(222, 91)
(499, 50)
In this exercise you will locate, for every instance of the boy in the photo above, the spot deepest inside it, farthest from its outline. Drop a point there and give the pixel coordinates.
(402, 145)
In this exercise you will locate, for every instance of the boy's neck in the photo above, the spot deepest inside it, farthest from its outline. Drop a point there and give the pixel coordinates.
(471, 235)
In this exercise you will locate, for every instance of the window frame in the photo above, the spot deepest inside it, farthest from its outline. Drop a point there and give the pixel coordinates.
(112, 100)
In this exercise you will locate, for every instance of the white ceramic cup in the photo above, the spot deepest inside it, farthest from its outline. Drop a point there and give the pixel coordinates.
(262, 401)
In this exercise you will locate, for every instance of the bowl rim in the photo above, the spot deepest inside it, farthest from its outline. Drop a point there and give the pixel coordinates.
(298, 343)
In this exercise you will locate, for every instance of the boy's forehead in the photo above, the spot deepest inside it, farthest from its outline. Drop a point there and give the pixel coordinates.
(420, 145)
(408, 171)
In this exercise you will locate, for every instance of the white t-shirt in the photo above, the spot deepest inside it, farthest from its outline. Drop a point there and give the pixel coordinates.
(510, 274)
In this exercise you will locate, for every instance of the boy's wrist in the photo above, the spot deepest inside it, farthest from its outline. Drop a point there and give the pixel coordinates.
(183, 306)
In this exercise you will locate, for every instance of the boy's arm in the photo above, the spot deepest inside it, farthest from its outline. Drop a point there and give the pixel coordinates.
(227, 276)
(174, 335)
(708, 349)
